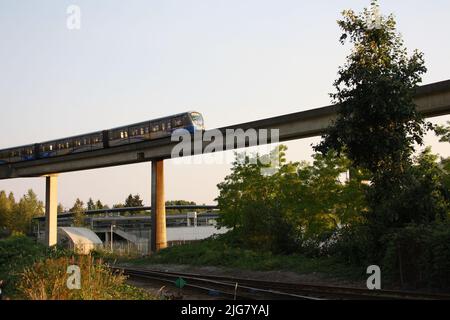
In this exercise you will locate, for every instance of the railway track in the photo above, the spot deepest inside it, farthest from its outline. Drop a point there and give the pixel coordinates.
(251, 289)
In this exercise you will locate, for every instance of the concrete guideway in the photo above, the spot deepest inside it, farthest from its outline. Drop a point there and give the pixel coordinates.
(432, 100)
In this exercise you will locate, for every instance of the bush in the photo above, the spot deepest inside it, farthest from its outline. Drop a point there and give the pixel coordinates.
(419, 255)
(47, 280)
(16, 253)
(351, 244)
(32, 271)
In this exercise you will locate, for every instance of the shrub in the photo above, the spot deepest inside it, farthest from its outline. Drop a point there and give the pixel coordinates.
(419, 255)
(351, 244)
(47, 280)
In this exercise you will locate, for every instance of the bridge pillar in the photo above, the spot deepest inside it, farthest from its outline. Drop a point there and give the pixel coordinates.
(158, 236)
(51, 210)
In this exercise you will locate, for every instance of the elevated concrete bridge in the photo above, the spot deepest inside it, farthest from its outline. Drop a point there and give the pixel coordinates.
(431, 100)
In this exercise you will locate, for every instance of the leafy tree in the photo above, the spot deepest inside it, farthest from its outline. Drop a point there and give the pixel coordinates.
(91, 205)
(297, 207)
(443, 132)
(99, 205)
(18, 217)
(79, 213)
(377, 123)
(60, 208)
(28, 208)
(133, 201)
(178, 203)
(6, 208)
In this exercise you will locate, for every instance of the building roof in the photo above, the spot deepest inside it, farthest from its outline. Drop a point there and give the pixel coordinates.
(80, 235)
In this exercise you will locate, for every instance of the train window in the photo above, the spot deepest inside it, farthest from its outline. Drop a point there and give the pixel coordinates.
(169, 125)
(50, 147)
(121, 135)
(142, 131)
(155, 127)
(177, 122)
(163, 126)
(146, 130)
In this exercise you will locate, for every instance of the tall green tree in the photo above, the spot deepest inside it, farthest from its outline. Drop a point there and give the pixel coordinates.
(99, 205)
(79, 213)
(60, 208)
(91, 205)
(6, 208)
(377, 123)
(133, 201)
(29, 207)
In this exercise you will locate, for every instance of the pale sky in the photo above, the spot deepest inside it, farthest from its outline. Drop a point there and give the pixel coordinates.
(232, 60)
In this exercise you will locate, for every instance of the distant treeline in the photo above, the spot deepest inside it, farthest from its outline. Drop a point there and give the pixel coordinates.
(17, 216)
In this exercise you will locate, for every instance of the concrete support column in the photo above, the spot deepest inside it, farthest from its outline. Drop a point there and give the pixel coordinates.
(51, 210)
(159, 237)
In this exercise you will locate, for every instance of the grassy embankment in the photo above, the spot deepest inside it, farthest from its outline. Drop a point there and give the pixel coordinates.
(32, 271)
(218, 252)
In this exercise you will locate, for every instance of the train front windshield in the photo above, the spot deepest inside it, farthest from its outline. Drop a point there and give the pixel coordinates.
(197, 119)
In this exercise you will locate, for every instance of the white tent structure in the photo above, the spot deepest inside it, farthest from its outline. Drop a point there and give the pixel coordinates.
(81, 240)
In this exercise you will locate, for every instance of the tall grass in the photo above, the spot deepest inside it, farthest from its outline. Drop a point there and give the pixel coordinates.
(47, 280)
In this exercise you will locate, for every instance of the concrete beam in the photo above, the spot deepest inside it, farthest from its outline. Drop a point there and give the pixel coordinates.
(51, 210)
(158, 234)
(431, 100)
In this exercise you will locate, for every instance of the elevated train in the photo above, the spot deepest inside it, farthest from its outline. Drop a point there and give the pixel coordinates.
(134, 133)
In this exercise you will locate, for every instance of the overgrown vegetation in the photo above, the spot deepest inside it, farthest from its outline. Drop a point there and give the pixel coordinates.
(17, 253)
(32, 271)
(297, 207)
(47, 280)
(223, 251)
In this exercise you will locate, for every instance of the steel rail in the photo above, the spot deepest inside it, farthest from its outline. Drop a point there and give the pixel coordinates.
(224, 288)
(298, 290)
